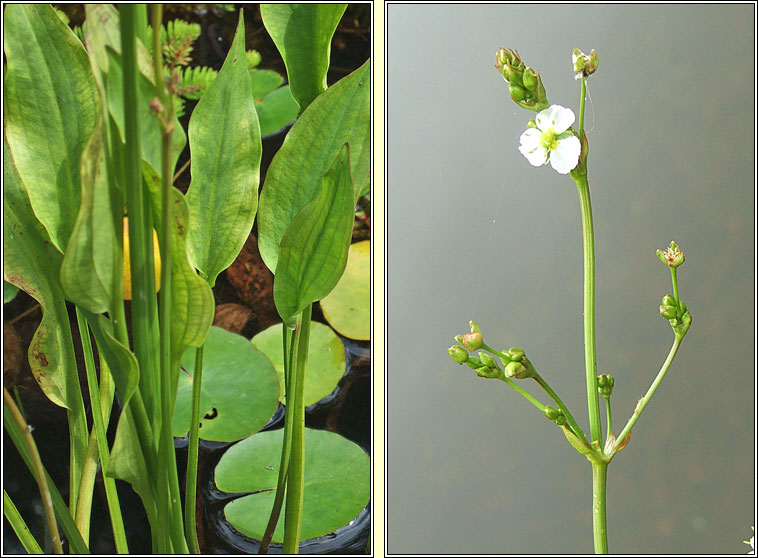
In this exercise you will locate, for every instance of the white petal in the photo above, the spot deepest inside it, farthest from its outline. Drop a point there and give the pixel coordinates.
(565, 156)
(546, 118)
(531, 148)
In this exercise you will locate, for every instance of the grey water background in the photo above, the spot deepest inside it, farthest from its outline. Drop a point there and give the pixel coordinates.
(475, 232)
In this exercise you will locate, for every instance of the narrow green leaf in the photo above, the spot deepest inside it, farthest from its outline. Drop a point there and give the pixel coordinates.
(192, 303)
(303, 34)
(229, 408)
(89, 261)
(127, 461)
(51, 105)
(342, 114)
(313, 252)
(225, 143)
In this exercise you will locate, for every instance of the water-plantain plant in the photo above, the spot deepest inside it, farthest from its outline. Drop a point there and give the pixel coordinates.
(91, 136)
(550, 138)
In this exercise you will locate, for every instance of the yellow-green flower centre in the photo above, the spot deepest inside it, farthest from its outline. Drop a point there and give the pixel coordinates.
(547, 139)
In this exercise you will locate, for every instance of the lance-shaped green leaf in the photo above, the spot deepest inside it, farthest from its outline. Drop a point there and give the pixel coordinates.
(303, 34)
(127, 462)
(32, 263)
(314, 249)
(225, 143)
(342, 114)
(51, 105)
(192, 303)
(89, 261)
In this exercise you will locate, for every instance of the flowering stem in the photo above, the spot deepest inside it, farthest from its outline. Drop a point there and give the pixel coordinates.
(608, 415)
(589, 307)
(521, 391)
(581, 108)
(675, 286)
(562, 406)
(599, 529)
(654, 386)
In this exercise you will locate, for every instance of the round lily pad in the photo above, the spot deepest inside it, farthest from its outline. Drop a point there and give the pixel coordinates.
(337, 483)
(325, 365)
(348, 307)
(239, 391)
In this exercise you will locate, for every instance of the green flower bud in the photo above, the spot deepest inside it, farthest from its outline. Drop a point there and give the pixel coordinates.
(458, 354)
(530, 79)
(515, 370)
(502, 58)
(551, 412)
(578, 59)
(683, 325)
(487, 360)
(561, 420)
(605, 385)
(517, 93)
(516, 353)
(472, 341)
(672, 257)
(594, 61)
(473, 362)
(474, 327)
(668, 312)
(505, 358)
(531, 123)
(668, 300)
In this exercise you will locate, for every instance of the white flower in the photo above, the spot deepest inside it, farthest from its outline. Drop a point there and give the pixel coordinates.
(552, 141)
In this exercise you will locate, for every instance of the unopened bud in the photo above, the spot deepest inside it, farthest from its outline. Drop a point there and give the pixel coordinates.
(530, 79)
(473, 362)
(458, 354)
(605, 384)
(668, 312)
(472, 341)
(668, 300)
(487, 360)
(516, 353)
(517, 93)
(551, 412)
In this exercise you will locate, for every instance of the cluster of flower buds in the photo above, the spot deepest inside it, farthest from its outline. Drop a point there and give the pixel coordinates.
(555, 415)
(584, 65)
(485, 365)
(605, 385)
(516, 364)
(524, 83)
(672, 256)
(677, 314)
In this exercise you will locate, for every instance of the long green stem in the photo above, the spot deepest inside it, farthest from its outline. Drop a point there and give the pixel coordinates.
(523, 393)
(19, 526)
(190, 489)
(589, 308)
(609, 419)
(288, 346)
(599, 529)
(39, 472)
(296, 471)
(642, 403)
(675, 286)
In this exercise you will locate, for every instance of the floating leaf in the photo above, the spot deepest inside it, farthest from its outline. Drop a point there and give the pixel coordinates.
(325, 365)
(225, 143)
(342, 114)
(276, 110)
(239, 390)
(337, 483)
(303, 34)
(348, 307)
